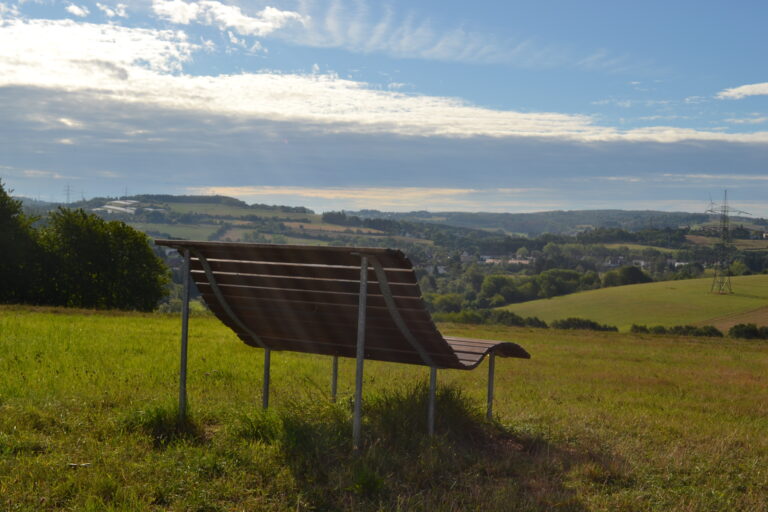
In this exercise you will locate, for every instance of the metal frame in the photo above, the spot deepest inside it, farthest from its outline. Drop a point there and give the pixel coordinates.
(360, 353)
(365, 261)
(395, 314)
(334, 377)
(184, 338)
(265, 383)
(491, 372)
(431, 404)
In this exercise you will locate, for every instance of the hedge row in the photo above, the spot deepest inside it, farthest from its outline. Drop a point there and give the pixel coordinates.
(678, 330)
(749, 331)
(490, 316)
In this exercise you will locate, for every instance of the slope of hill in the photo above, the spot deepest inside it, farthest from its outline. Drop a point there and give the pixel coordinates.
(537, 223)
(665, 303)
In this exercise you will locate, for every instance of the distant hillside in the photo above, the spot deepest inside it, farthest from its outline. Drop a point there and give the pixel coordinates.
(665, 303)
(559, 222)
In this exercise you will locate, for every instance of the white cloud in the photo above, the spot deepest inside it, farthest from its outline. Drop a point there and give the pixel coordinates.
(727, 177)
(387, 198)
(748, 120)
(70, 55)
(737, 93)
(79, 11)
(225, 17)
(143, 66)
(111, 12)
(51, 175)
(367, 27)
(8, 10)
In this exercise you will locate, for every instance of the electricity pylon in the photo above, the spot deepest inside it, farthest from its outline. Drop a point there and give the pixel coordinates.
(722, 281)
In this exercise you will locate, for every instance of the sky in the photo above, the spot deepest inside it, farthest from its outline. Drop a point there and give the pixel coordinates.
(500, 106)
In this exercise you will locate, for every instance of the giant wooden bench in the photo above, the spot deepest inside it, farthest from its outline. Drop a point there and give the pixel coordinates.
(363, 303)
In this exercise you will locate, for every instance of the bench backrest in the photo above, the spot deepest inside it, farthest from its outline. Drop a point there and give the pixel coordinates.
(305, 299)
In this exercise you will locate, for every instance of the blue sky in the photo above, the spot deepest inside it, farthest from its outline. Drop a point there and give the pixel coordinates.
(489, 105)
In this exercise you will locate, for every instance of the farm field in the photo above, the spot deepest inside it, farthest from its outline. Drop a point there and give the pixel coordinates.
(665, 303)
(183, 231)
(594, 421)
(235, 211)
(639, 247)
(744, 245)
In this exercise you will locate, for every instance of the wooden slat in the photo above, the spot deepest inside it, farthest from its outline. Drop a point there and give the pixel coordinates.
(309, 271)
(372, 351)
(340, 299)
(343, 256)
(305, 299)
(307, 284)
(254, 318)
(263, 325)
(326, 310)
(345, 318)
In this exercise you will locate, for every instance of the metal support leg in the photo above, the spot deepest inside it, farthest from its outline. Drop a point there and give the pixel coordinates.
(431, 406)
(491, 371)
(184, 338)
(334, 377)
(265, 385)
(356, 420)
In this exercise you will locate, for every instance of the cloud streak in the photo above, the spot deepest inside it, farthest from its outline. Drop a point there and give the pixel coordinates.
(136, 65)
(225, 17)
(744, 91)
(376, 28)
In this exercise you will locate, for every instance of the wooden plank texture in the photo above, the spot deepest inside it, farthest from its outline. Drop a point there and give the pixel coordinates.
(305, 299)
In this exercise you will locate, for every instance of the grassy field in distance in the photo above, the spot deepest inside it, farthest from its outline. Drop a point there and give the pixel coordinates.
(665, 303)
(638, 247)
(183, 231)
(236, 211)
(738, 243)
(593, 422)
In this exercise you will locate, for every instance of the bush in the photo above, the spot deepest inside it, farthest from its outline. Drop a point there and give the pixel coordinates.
(503, 317)
(533, 321)
(709, 330)
(582, 323)
(682, 330)
(492, 317)
(639, 329)
(746, 331)
(658, 329)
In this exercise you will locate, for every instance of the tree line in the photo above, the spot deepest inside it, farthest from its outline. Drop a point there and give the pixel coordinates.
(76, 259)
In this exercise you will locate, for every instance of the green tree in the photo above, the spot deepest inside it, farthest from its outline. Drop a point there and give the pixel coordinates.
(625, 275)
(558, 282)
(19, 257)
(92, 263)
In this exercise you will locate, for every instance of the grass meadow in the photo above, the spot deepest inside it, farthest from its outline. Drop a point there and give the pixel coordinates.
(665, 303)
(594, 421)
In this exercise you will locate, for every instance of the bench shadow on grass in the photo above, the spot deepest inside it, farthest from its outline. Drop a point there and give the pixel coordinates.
(470, 464)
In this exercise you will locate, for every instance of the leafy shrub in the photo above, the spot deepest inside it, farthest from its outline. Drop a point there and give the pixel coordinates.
(582, 323)
(658, 329)
(533, 321)
(491, 317)
(709, 330)
(682, 330)
(746, 331)
(504, 317)
(639, 329)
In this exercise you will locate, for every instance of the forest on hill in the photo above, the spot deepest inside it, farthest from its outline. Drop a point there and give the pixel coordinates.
(466, 261)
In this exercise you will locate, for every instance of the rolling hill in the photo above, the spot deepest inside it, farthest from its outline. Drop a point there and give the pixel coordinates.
(665, 303)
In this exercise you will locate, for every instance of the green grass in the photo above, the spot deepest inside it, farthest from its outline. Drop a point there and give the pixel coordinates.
(639, 247)
(594, 421)
(184, 231)
(235, 211)
(662, 303)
